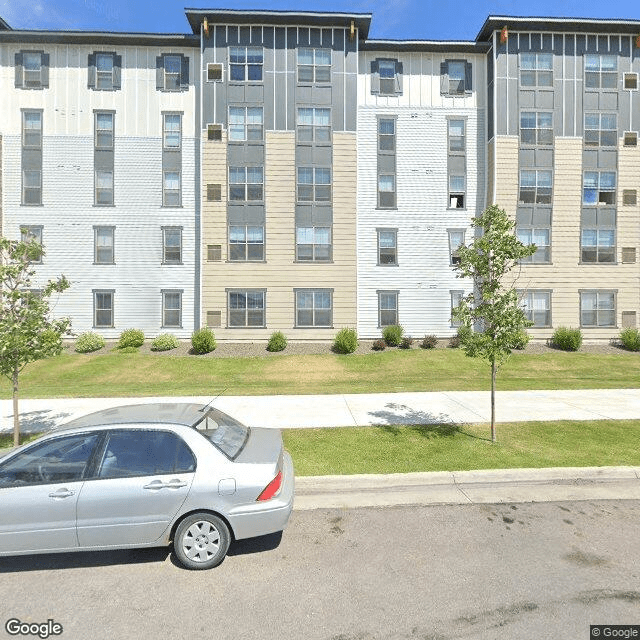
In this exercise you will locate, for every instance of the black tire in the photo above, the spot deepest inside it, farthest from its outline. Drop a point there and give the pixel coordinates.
(201, 541)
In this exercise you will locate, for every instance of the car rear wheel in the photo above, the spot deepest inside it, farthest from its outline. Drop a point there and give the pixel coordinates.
(201, 541)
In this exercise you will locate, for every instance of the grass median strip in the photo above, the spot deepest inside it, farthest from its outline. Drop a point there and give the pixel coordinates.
(404, 449)
(137, 374)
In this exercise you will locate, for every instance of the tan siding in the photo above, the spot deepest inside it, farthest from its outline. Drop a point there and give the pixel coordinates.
(280, 274)
(566, 276)
(506, 168)
(491, 165)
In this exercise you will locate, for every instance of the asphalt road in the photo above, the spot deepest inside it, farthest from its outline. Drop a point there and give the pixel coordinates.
(514, 571)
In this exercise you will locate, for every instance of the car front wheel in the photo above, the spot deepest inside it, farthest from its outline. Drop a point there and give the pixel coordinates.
(201, 541)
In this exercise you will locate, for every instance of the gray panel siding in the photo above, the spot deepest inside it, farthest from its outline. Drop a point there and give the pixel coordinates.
(69, 216)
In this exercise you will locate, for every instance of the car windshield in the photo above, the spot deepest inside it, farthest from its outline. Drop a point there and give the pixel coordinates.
(225, 433)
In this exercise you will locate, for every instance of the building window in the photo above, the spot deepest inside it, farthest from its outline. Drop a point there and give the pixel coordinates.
(314, 65)
(32, 70)
(535, 187)
(456, 299)
(104, 71)
(600, 71)
(104, 187)
(386, 192)
(246, 242)
(246, 308)
(537, 307)
(386, 77)
(386, 135)
(456, 240)
(387, 308)
(172, 72)
(456, 131)
(32, 233)
(313, 243)
(172, 309)
(103, 308)
(536, 69)
(597, 309)
(103, 241)
(599, 188)
(32, 129)
(539, 237)
(314, 184)
(313, 308)
(172, 130)
(456, 192)
(104, 130)
(600, 129)
(455, 77)
(246, 123)
(171, 245)
(314, 124)
(246, 64)
(536, 127)
(598, 245)
(171, 195)
(32, 186)
(246, 184)
(387, 246)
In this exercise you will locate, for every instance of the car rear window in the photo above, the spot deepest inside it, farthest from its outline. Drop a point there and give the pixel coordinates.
(226, 434)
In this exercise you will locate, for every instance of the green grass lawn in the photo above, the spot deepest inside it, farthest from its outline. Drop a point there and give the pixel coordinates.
(137, 374)
(389, 449)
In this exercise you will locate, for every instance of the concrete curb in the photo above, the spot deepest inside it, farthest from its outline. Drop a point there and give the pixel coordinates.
(468, 487)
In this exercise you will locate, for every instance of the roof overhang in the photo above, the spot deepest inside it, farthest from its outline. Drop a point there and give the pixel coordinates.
(605, 26)
(361, 21)
(100, 37)
(453, 46)
(4, 25)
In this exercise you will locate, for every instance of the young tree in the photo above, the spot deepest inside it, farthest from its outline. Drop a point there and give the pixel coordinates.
(491, 317)
(27, 331)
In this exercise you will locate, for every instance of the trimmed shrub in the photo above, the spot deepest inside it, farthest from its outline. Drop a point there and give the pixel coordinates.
(277, 341)
(567, 339)
(164, 342)
(128, 349)
(429, 342)
(88, 342)
(455, 341)
(521, 340)
(52, 341)
(630, 338)
(392, 335)
(406, 343)
(131, 338)
(379, 345)
(346, 341)
(203, 341)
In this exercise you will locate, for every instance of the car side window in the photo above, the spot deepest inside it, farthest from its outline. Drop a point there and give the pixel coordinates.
(63, 459)
(131, 453)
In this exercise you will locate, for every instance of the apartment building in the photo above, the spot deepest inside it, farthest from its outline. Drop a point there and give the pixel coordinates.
(565, 163)
(99, 164)
(280, 170)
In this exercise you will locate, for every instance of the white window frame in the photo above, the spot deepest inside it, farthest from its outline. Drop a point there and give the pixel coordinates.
(244, 124)
(387, 252)
(110, 309)
(166, 293)
(249, 240)
(167, 192)
(536, 69)
(97, 230)
(607, 191)
(594, 133)
(319, 189)
(27, 131)
(456, 240)
(171, 253)
(536, 303)
(101, 191)
(318, 249)
(317, 297)
(598, 308)
(31, 188)
(169, 131)
(388, 294)
(243, 62)
(541, 134)
(101, 132)
(314, 67)
(594, 69)
(168, 75)
(27, 81)
(105, 76)
(313, 132)
(539, 187)
(260, 294)
(243, 190)
(29, 232)
(528, 236)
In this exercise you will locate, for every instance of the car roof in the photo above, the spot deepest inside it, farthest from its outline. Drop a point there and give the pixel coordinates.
(182, 413)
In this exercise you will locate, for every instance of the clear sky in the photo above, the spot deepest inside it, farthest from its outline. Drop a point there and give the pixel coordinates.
(400, 19)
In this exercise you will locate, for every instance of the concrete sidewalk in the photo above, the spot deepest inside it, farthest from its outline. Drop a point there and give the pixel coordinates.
(361, 409)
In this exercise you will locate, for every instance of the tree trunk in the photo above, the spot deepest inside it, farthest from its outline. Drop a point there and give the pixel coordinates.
(16, 416)
(494, 373)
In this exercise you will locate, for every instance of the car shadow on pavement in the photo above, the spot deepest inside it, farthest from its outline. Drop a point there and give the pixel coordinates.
(82, 559)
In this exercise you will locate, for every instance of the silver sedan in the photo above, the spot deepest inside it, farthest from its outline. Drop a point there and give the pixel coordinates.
(143, 476)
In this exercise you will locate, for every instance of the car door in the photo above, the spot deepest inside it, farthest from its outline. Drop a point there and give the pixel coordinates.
(39, 490)
(143, 479)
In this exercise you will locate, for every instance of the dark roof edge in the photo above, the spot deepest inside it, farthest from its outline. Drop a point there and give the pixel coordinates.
(539, 23)
(274, 17)
(100, 37)
(454, 46)
(4, 25)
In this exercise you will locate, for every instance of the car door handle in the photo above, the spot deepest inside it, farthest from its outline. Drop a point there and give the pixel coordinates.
(62, 493)
(157, 484)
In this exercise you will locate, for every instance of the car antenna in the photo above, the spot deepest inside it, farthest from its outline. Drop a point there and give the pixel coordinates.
(213, 399)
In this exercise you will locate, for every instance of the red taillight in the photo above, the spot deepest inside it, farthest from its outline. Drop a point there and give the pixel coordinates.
(272, 488)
